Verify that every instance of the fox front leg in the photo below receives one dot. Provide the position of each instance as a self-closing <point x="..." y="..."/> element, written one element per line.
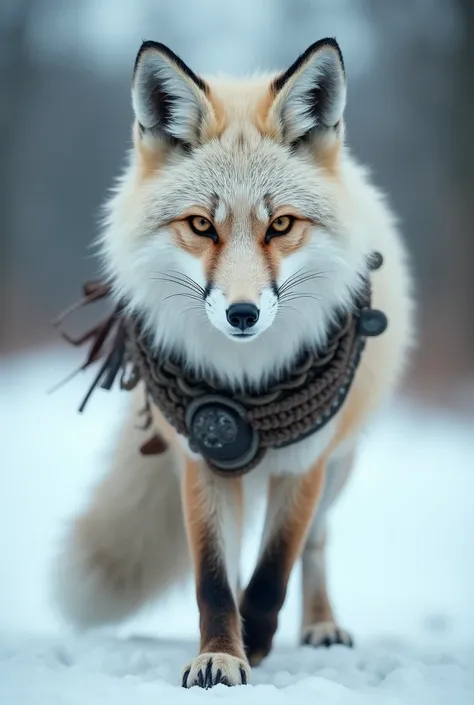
<point x="213" y="514"/>
<point x="291" y="506"/>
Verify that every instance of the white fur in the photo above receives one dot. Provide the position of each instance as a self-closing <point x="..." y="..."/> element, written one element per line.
<point x="138" y="250"/>
<point x="110" y="562"/>
<point x="217" y="304"/>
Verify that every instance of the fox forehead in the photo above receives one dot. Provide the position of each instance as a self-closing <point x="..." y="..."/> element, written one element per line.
<point x="238" y="173"/>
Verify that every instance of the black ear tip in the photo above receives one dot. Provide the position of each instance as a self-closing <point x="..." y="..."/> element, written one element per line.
<point x="148" y="44"/>
<point x="171" y="57"/>
<point x="332" y="42"/>
<point x="303" y="58"/>
<point x="324" y="43"/>
<point x="145" y="45"/>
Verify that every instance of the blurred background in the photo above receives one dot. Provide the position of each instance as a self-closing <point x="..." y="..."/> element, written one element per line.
<point x="65" y="69"/>
<point x="65" y="116"/>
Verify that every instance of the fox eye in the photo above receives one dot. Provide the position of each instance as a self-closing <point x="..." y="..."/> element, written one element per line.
<point x="202" y="226"/>
<point x="280" y="226"/>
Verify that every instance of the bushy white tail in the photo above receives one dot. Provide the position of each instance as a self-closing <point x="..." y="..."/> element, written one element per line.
<point x="129" y="544"/>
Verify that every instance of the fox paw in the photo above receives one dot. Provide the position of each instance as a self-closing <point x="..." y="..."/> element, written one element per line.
<point x="210" y="669"/>
<point x="326" y="634"/>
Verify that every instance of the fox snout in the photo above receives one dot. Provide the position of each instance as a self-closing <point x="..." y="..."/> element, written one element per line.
<point x="242" y="318"/>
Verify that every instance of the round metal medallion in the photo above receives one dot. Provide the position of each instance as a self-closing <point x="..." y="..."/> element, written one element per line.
<point x="219" y="431"/>
<point x="214" y="427"/>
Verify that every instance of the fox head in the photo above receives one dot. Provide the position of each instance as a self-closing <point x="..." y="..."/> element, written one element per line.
<point x="234" y="231"/>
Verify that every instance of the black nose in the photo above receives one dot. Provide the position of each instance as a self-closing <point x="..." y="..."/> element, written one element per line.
<point x="242" y="315"/>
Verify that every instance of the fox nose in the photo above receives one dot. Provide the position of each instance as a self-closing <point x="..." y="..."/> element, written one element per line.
<point x="242" y="315"/>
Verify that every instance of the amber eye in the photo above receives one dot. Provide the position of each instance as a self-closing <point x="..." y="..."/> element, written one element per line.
<point x="202" y="226"/>
<point x="280" y="226"/>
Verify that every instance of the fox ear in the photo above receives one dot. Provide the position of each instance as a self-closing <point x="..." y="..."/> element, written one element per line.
<point x="311" y="94"/>
<point x="169" y="100"/>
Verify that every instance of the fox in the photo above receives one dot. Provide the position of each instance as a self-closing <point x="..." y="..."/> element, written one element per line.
<point x="239" y="226"/>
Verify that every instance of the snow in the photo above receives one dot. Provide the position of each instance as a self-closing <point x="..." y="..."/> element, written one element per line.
<point x="400" y="562"/>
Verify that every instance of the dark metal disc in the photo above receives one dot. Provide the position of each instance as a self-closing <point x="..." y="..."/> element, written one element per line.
<point x="219" y="431"/>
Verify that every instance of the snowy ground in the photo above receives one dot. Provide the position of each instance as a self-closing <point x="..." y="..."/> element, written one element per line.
<point x="401" y="568"/>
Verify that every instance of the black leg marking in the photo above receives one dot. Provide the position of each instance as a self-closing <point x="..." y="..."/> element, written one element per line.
<point x="262" y="601"/>
<point x="218" y="611"/>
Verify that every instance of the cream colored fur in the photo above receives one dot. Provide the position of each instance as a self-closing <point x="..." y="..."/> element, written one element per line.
<point x="129" y="544"/>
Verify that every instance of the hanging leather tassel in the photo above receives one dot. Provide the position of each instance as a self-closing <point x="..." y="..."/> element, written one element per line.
<point x="107" y="339"/>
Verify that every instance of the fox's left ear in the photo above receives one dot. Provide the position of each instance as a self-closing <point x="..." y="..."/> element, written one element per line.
<point x="311" y="95"/>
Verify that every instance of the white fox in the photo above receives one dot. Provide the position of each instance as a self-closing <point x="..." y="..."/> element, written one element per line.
<point x="239" y="230"/>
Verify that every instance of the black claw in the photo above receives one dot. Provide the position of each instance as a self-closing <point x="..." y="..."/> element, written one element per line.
<point x="307" y="639"/>
<point x="348" y="641"/>
<point x="224" y="681"/>
<point x="327" y="641"/>
<point x="184" y="682"/>
<point x="218" y="677"/>
<point x="243" y="676"/>
<point x="200" y="679"/>
<point x="339" y="637"/>
<point x="208" y="675"/>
